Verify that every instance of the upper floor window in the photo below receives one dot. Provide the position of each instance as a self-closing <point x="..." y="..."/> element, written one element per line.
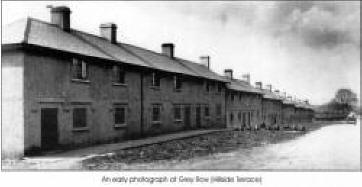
<point x="232" y="96"/>
<point x="207" y="86"/>
<point x="118" y="74"/>
<point x="219" y="87"/>
<point x="177" y="82"/>
<point x="156" y="80"/>
<point x="79" y="69"/>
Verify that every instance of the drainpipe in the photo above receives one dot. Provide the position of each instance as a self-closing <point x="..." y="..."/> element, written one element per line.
<point x="225" y="107"/>
<point x="142" y="107"/>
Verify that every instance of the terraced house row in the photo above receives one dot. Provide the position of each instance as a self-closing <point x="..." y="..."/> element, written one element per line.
<point x="64" y="87"/>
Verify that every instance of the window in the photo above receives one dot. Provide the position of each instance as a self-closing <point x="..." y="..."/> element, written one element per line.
<point x="232" y="96"/>
<point x="156" y="113"/>
<point x="79" y="117"/>
<point x="207" y="86"/>
<point x="118" y="75"/>
<point x="218" y="110"/>
<point x="219" y="87"/>
<point x="80" y="70"/>
<point x="207" y="111"/>
<point x="240" y="95"/>
<point x="120" y="115"/>
<point x="156" y="80"/>
<point x="177" y="82"/>
<point x="231" y="117"/>
<point x="177" y="113"/>
<point x="239" y="116"/>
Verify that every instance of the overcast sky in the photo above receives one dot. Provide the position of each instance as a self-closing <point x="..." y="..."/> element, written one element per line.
<point x="309" y="49"/>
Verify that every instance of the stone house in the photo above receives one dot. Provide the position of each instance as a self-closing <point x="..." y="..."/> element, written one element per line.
<point x="288" y="111"/>
<point x="243" y="103"/>
<point x="64" y="87"/>
<point x="271" y="106"/>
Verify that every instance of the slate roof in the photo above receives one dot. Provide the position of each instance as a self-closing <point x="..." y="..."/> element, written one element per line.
<point x="202" y="70"/>
<point x="159" y="61"/>
<point x="288" y="102"/>
<point x="270" y="95"/>
<point x="43" y="34"/>
<point x="242" y="86"/>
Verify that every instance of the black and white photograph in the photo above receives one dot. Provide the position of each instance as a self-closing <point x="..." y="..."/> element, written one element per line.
<point x="180" y="86"/>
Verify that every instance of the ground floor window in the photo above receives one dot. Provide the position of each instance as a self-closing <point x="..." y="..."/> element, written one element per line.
<point x="207" y="111"/>
<point x="231" y="117"/>
<point x="177" y="113"/>
<point x="120" y="115"/>
<point x="156" y="113"/>
<point x="79" y="117"/>
<point x="218" y="110"/>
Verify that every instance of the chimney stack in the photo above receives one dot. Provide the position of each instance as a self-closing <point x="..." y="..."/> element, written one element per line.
<point x="246" y="77"/>
<point x="306" y="101"/>
<point x="205" y="60"/>
<point x="228" y="73"/>
<point x="109" y="32"/>
<point x="259" y="85"/>
<point x="277" y="92"/>
<point x="285" y="94"/>
<point x="269" y="87"/>
<point x="60" y="16"/>
<point x="168" y="49"/>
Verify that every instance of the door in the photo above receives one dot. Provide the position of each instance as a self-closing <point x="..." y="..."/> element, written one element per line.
<point x="49" y="128"/>
<point x="249" y="119"/>
<point x="187" y="117"/>
<point x="244" y="119"/>
<point x="198" y="116"/>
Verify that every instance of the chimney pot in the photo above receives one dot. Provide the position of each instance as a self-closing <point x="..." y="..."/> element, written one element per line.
<point x="246" y="77"/>
<point x="228" y="73"/>
<point x="269" y="87"/>
<point x="109" y="32"/>
<point x="60" y="16"/>
<point x="205" y="60"/>
<point x="168" y="49"/>
<point x="259" y="85"/>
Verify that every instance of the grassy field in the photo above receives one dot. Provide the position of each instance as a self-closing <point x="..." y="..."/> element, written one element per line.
<point x="176" y="151"/>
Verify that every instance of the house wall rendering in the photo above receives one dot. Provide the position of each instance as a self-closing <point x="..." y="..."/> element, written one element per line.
<point x="67" y="88"/>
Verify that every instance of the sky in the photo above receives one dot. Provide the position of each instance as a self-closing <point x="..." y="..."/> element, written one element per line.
<point x="308" y="49"/>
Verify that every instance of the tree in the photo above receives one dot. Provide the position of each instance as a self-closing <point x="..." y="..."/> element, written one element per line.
<point x="346" y="96"/>
<point x="344" y="102"/>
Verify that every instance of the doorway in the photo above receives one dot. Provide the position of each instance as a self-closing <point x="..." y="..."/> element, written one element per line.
<point x="187" y="117"/>
<point x="49" y="128"/>
<point x="198" y="116"/>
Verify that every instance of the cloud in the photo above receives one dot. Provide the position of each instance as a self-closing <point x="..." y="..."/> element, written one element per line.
<point x="320" y="25"/>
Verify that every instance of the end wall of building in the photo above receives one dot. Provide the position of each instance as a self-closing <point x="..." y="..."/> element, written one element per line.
<point x="12" y="123"/>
